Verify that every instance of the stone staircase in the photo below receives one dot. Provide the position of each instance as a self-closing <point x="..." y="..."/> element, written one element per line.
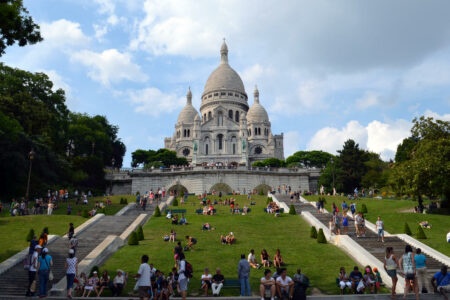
<point x="15" y="281"/>
<point x="369" y="242"/>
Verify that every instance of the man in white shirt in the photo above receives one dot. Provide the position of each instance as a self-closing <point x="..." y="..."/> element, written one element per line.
<point x="182" y="279"/>
<point x="285" y="285"/>
<point x="143" y="276"/>
<point x="32" y="270"/>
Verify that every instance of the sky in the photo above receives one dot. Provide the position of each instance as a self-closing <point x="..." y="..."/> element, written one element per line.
<point x="327" y="71"/>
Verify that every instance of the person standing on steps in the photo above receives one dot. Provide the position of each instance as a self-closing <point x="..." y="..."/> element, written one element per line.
<point x="391" y="265"/>
<point x="244" y="276"/>
<point x="71" y="267"/>
<point x="421" y="269"/>
<point x="408" y="266"/>
<point x="33" y="269"/>
<point x="380" y="229"/>
<point x="45" y="262"/>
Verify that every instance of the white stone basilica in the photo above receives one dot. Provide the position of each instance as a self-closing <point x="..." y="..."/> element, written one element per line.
<point x="227" y="131"/>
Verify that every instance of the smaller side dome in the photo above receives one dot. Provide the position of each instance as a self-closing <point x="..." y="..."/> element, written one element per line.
<point x="257" y="113"/>
<point x="188" y="114"/>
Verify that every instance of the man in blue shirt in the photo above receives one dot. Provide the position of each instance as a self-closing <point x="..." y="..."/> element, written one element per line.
<point x="441" y="282"/>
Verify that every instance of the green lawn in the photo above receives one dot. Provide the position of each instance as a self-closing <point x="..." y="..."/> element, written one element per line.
<point x="15" y="229"/>
<point x="395" y="213"/>
<point x="256" y="230"/>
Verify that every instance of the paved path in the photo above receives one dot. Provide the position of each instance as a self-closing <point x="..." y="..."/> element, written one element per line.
<point x="15" y="280"/>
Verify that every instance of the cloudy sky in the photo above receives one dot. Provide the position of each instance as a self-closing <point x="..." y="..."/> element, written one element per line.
<point x="327" y="71"/>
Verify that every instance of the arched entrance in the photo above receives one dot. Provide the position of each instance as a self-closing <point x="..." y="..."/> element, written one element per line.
<point x="221" y="187"/>
<point x="177" y="190"/>
<point x="262" y="189"/>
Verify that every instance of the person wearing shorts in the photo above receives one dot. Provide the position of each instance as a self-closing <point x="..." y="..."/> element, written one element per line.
<point x="380" y="229"/>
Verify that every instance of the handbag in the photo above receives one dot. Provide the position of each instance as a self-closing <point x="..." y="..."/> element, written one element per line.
<point x="50" y="275"/>
<point x="33" y="286"/>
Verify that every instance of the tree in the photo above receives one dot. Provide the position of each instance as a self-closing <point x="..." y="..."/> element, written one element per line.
<point x="426" y="171"/>
<point x="160" y="158"/>
<point x="314" y="158"/>
<point x="269" y="162"/>
<point x="16" y="25"/>
<point x="351" y="160"/>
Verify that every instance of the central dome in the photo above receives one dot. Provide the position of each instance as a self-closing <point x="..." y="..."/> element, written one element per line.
<point x="224" y="77"/>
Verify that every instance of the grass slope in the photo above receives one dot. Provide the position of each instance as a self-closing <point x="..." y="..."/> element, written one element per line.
<point x="257" y="230"/>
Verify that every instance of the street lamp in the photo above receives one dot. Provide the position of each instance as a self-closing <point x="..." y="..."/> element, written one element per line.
<point x="332" y="163"/>
<point x="113" y="162"/>
<point x="31" y="155"/>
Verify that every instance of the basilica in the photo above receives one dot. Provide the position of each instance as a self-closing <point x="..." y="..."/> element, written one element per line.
<point x="227" y="132"/>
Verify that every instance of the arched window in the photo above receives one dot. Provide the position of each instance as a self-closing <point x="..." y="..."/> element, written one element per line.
<point x="184" y="133"/>
<point x="237" y="116"/>
<point x="206" y="145"/>
<point x="220" y="141"/>
<point x="230" y="114"/>
<point x="219" y="118"/>
<point x="256" y="131"/>
<point x="188" y="133"/>
<point x="233" y="142"/>
<point x="209" y="116"/>
<point x="204" y="118"/>
<point x="259" y="130"/>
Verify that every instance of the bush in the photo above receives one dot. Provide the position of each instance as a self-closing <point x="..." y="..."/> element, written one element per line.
<point x="268" y="200"/>
<point x="123" y="201"/>
<point x="140" y="233"/>
<point x="261" y="192"/>
<point x="45" y="230"/>
<point x="157" y="212"/>
<point x="175" y="201"/>
<point x="96" y="269"/>
<point x="321" y="237"/>
<point x="133" y="239"/>
<point x="313" y="233"/>
<point x="406" y="229"/>
<point x="30" y="235"/>
<point x="292" y="210"/>
<point x="364" y="209"/>
<point x="85" y="214"/>
<point x="420" y="234"/>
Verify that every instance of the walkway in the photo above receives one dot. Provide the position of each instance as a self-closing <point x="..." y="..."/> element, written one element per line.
<point x="15" y="280"/>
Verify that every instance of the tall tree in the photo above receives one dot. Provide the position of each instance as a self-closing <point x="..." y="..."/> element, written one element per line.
<point x="16" y="25"/>
<point x="351" y="160"/>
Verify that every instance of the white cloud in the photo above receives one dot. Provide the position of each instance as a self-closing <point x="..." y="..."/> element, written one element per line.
<point x="368" y="100"/>
<point x="153" y="102"/>
<point x="331" y="139"/>
<point x="63" y="33"/>
<point x="378" y="137"/>
<point x="110" y="66"/>
<point x="436" y="116"/>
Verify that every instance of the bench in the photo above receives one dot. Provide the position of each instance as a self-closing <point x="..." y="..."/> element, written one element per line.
<point x="241" y="210"/>
<point x="176" y="211"/>
<point x="232" y="283"/>
<point x="280" y="210"/>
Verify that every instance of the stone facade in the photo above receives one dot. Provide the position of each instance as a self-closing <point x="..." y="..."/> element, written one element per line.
<point x="227" y="131"/>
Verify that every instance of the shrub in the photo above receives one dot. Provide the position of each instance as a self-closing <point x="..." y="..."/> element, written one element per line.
<point x="30" y="235"/>
<point x="292" y="210"/>
<point x="321" y="237"/>
<point x="175" y="202"/>
<point x="133" y="239"/>
<point x="96" y="269"/>
<point x="45" y="230"/>
<point x="85" y="214"/>
<point x="406" y="229"/>
<point x="157" y="212"/>
<point x="313" y="233"/>
<point x="261" y="192"/>
<point x="123" y="201"/>
<point x="140" y="233"/>
<point x="420" y="234"/>
<point x="364" y="209"/>
<point x="268" y="200"/>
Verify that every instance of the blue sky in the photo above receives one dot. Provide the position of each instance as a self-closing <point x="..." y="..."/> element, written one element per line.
<point x="326" y="71"/>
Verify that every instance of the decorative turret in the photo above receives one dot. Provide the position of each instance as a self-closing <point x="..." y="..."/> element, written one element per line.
<point x="224" y="53"/>
<point x="188" y="114"/>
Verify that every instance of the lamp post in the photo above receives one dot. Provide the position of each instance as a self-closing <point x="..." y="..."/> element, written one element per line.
<point x="31" y="155"/>
<point x="113" y="162"/>
<point x="332" y="163"/>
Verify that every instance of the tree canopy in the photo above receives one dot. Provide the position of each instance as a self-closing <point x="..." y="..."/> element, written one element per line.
<point x="159" y="158"/>
<point x="16" y="25"/>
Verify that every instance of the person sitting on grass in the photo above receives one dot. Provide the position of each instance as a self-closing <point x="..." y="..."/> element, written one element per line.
<point x="278" y="259"/>
<point x="285" y="285"/>
<point x="265" y="258"/>
<point x="206" y="226"/>
<point x="267" y="285"/>
<point x="175" y="220"/>
<point x="183" y="220"/>
<point x="191" y="241"/>
<point x="252" y="260"/>
<point x="118" y="283"/>
<point x="103" y="283"/>
<point x="91" y="284"/>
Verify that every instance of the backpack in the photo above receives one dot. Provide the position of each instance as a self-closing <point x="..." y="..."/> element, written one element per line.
<point x="188" y="270"/>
